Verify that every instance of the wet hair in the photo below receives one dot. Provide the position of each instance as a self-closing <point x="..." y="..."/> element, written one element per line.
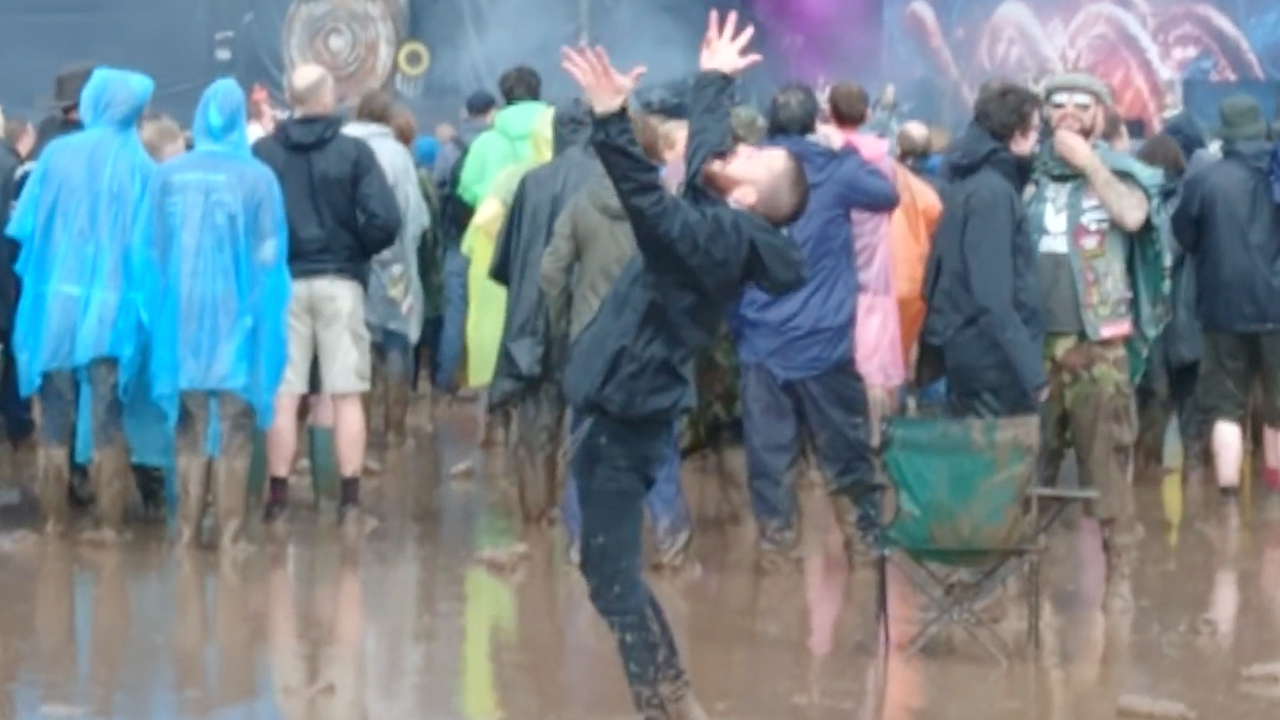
<point x="993" y="83"/>
<point x="1163" y="151"/>
<point x="377" y="106"/>
<point x="913" y="140"/>
<point x="648" y="130"/>
<point x="160" y="134"/>
<point x="747" y="125"/>
<point x="1112" y="126"/>
<point x="14" y="128"/>
<point x="404" y="125"/>
<point x="1006" y="110"/>
<point x="783" y="199"/>
<point x="519" y="84"/>
<point x="793" y="110"/>
<point x="850" y="104"/>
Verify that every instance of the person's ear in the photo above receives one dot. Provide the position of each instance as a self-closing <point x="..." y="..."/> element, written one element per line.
<point x="743" y="196"/>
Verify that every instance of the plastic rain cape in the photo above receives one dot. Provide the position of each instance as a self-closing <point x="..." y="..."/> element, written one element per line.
<point x="216" y="310"/>
<point x="486" y="299"/>
<point x="81" y="224"/>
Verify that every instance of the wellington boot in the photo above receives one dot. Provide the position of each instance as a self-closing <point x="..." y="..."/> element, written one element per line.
<point x="53" y="477"/>
<point x="193" y="490"/>
<point x="324" y="463"/>
<point x="230" y="488"/>
<point x="112" y="478"/>
<point x="397" y="418"/>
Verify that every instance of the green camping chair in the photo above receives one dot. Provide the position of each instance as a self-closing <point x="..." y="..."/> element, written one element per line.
<point x="969" y="515"/>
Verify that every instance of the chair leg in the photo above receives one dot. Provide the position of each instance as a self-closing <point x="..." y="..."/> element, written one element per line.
<point x="1033" y="603"/>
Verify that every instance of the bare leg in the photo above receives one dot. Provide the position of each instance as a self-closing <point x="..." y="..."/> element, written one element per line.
<point x="231" y="468"/>
<point x="350" y="433"/>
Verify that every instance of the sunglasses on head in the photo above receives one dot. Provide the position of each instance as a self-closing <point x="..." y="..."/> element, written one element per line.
<point x="1079" y="100"/>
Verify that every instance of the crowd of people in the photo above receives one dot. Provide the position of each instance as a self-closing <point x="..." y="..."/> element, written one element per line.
<point x="577" y="267"/>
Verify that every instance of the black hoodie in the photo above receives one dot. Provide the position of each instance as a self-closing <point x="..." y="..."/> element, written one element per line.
<point x="1229" y="224"/>
<point x="981" y="289"/>
<point x="340" y="209"/>
<point x="528" y="354"/>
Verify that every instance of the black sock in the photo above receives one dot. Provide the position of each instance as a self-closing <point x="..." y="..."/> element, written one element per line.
<point x="1229" y="493"/>
<point x="278" y="492"/>
<point x="350" y="491"/>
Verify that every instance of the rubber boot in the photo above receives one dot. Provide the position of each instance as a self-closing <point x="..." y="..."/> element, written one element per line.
<point x="53" y="478"/>
<point x="397" y="417"/>
<point x="257" y="479"/>
<point x="324" y="463"/>
<point x="112" y="478"/>
<point x="193" y="490"/>
<point x="231" y="494"/>
<point x="1118" y="549"/>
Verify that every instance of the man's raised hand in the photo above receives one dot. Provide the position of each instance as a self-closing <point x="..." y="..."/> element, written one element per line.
<point x="724" y="48"/>
<point x="605" y="88"/>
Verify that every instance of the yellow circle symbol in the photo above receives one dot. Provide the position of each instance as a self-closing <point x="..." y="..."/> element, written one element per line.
<point x="413" y="59"/>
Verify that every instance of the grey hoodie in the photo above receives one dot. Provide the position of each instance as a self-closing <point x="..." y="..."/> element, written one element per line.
<point x="395" y="299"/>
<point x="591" y="244"/>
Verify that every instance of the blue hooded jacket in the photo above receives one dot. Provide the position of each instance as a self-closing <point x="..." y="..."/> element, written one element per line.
<point x="810" y="331"/>
<point x="217" y="307"/>
<point x="80" y="223"/>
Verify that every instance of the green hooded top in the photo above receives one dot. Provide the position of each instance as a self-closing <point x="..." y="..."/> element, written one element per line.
<point x="509" y="141"/>
<point x="1142" y="254"/>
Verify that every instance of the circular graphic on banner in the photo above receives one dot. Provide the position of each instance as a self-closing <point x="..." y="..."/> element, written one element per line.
<point x="413" y="59"/>
<point x="355" y="39"/>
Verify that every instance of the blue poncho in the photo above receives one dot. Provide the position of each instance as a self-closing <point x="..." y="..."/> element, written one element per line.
<point x="217" y="309"/>
<point x="80" y="226"/>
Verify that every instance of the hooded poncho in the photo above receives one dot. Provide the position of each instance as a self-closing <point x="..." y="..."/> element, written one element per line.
<point x="218" y="303"/>
<point x="81" y="223"/>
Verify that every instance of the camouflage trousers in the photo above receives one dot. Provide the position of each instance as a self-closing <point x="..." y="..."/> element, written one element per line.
<point x="1091" y="410"/>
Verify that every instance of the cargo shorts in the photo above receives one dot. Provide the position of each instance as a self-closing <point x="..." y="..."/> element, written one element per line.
<point x="327" y="324"/>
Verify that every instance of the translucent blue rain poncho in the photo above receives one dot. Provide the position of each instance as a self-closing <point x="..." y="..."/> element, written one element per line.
<point x="219" y="251"/>
<point x="80" y="223"/>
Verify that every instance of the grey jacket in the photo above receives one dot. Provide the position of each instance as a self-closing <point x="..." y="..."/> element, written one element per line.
<point x="395" y="299"/>
<point x="591" y="243"/>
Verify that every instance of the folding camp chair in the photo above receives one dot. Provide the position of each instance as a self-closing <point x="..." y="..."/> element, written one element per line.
<point x="969" y="515"/>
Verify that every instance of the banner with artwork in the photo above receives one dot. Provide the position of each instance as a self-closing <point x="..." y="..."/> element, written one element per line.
<point x="940" y="51"/>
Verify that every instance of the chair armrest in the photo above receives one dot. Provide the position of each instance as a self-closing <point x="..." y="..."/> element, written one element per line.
<point x="1046" y="493"/>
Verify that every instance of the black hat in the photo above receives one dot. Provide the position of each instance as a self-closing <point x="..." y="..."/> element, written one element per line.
<point x="68" y="86"/>
<point x="480" y="102"/>
<point x="1242" y="119"/>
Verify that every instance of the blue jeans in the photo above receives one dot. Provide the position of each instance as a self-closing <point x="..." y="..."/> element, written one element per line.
<point x="617" y="464"/>
<point x="665" y="501"/>
<point x="830" y="411"/>
<point x="454" y="323"/>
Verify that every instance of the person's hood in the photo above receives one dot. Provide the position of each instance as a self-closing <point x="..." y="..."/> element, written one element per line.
<point x="819" y="161"/>
<point x="571" y="126"/>
<point x="369" y="132"/>
<point x="221" y="119"/>
<point x="1185" y="131"/>
<point x="1255" y="153"/>
<point x="603" y="198"/>
<point x="976" y="149"/>
<point x="872" y="148"/>
<point x="518" y="122"/>
<point x="425" y="151"/>
<point x="308" y="133"/>
<point x="115" y="98"/>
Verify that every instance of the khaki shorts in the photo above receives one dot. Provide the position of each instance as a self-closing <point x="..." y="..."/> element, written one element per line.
<point x="327" y="323"/>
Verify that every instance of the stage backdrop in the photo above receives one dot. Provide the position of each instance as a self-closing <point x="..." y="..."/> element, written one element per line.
<point x="941" y="50"/>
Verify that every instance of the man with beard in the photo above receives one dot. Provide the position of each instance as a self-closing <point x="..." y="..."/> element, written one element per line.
<point x="78" y="320"/>
<point x="532" y="353"/>
<point x="984" y="303"/>
<point x="217" y="313"/>
<point x="1230" y="225"/>
<point x="1100" y="266"/>
<point x="629" y="369"/>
